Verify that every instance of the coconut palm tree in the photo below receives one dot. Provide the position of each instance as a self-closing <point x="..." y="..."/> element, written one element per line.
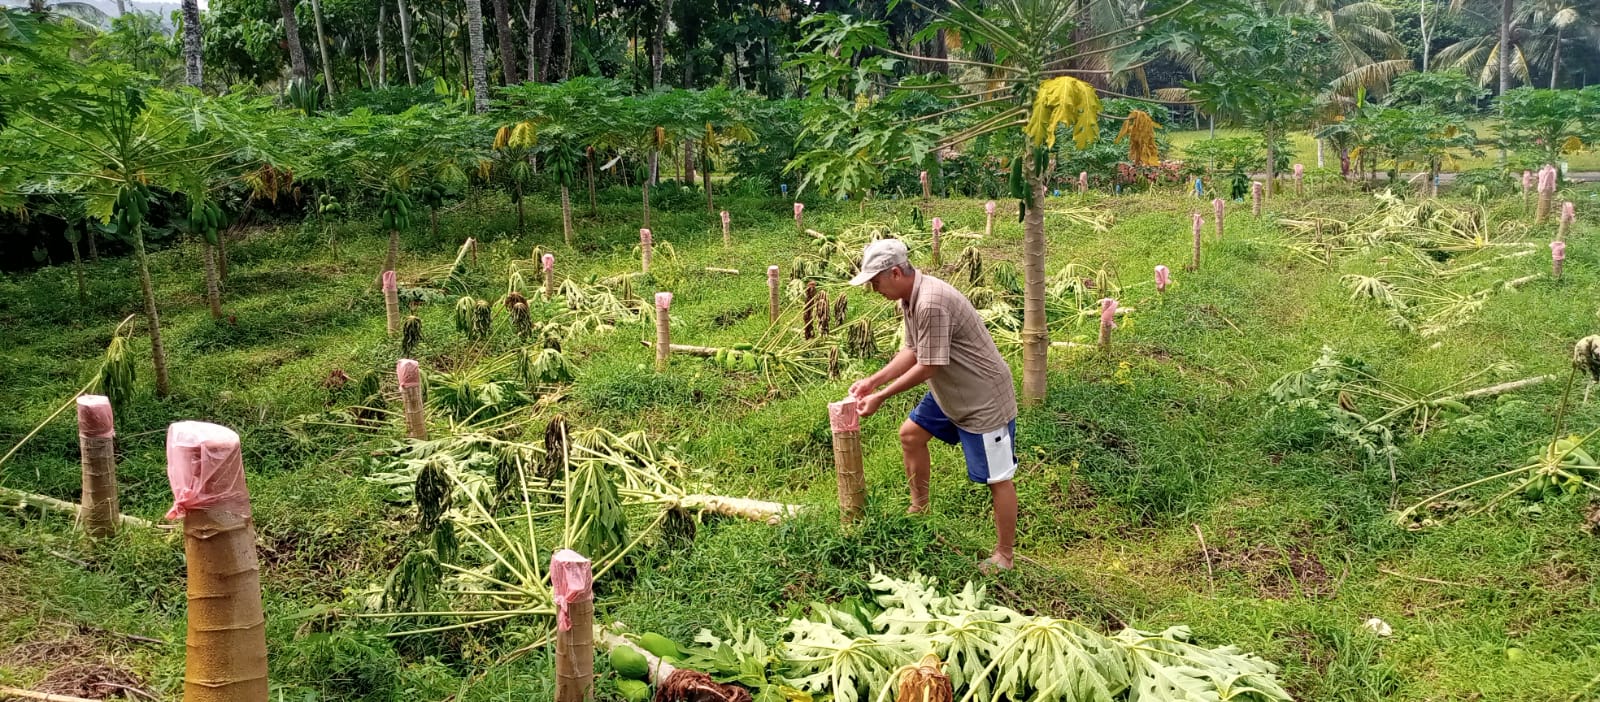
<point x="1367" y="51"/>
<point x="480" y="73"/>
<point x="1529" y="38"/>
<point x="193" y="62"/>
<point x="405" y="43"/>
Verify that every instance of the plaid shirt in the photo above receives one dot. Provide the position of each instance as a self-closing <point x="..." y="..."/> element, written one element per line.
<point x="973" y="384"/>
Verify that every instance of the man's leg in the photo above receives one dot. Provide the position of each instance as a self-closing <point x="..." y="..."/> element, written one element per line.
<point x="914" y="448"/>
<point x="1005" y="521"/>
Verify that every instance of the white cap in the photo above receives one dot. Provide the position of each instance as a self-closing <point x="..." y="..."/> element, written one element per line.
<point x="879" y="256"/>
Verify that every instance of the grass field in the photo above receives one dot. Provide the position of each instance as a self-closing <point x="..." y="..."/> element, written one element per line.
<point x="1305" y="149"/>
<point x="1135" y="457"/>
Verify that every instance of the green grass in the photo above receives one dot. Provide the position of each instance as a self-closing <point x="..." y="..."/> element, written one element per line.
<point x="1305" y="149"/>
<point x="1130" y="456"/>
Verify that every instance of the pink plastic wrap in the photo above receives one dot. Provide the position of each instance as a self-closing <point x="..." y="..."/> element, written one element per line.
<point x="1299" y="171"/>
<point x="1527" y="181"/>
<point x="548" y="261"/>
<point x="205" y="469"/>
<point x="1558" y="250"/>
<point x="1163" y="276"/>
<point x="988" y="207"/>
<point x="663" y="300"/>
<point x="799" y="207"/>
<point x="842" y="415"/>
<point x="923" y="176"/>
<point x="389" y="284"/>
<point x="1255" y="188"/>
<point x="938" y="224"/>
<point x="772" y="274"/>
<point x="94" y="417"/>
<point x="1568" y="212"/>
<point x="571" y="580"/>
<point x="406" y="370"/>
<point x="725" y="219"/>
<point x="644" y="236"/>
<point x="1108" y="312"/>
<point x="1083" y="181"/>
<point x="1198" y="221"/>
<point x="1547" y="179"/>
<point x="1217" y="206"/>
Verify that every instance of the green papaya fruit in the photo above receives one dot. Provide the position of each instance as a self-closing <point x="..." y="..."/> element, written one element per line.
<point x="630" y="663"/>
<point x="634" y="690"/>
<point x="659" y="645"/>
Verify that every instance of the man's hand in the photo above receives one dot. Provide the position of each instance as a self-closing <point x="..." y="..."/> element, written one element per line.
<point x="869" y="405"/>
<point x="862" y="388"/>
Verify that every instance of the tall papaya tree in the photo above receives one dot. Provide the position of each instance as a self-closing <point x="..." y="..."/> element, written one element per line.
<point x="103" y="133"/>
<point x="565" y="120"/>
<point x="1024" y="83"/>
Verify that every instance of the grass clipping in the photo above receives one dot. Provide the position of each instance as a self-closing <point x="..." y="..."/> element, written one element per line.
<point x="1064" y="100"/>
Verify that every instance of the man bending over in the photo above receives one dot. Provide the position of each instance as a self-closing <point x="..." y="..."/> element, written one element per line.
<point x="972" y="401"/>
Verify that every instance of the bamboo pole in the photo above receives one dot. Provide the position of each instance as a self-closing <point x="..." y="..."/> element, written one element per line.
<point x="548" y="263"/>
<point x="646" y="249"/>
<point x="799" y="212"/>
<point x="1527" y="187"/>
<point x="572" y="588"/>
<point x="1083" y="182"/>
<point x="988" y="219"/>
<point x="1194" y="261"/>
<point x="1108" y="321"/>
<point x="1299" y="179"/>
<point x="226" y="642"/>
<point x="663" y="330"/>
<point x="938" y="233"/>
<point x="927" y="187"/>
<point x="1255" y="198"/>
<point x="846" y="426"/>
<point x="1218" y="209"/>
<point x="727" y="271"/>
<point x="1558" y="257"/>
<point x="6" y="691"/>
<point x="1568" y="215"/>
<point x="727" y="229"/>
<point x="772" y="295"/>
<point x="97" y="450"/>
<point x="410" y="380"/>
<point x="391" y="302"/>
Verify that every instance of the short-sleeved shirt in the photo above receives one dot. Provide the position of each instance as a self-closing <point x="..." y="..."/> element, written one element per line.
<point x="973" y="384"/>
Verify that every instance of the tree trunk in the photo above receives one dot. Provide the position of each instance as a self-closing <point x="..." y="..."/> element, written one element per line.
<point x="1555" y="60"/>
<point x="383" y="70"/>
<point x="322" y="47"/>
<point x="158" y="352"/>
<point x="1422" y="23"/>
<point x="508" y="49"/>
<point x="566" y="214"/>
<point x="405" y="42"/>
<point x="564" y="25"/>
<point x="646" y="189"/>
<point x="1272" y="167"/>
<point x="1504" y="56"/>
<point x="658" y="43"/>
<point x="394" y="250"/>
<point x="546" y="36"/>
<point x="520" y="216"/>
<point x="213" y="293"/>
<point x="77" y="269"/>
<point x="480" y="72"/>
<point x="94" y="251"/>
<point x="705" y="177"/>
<point x="688" y="163"/>
<point x="193" y="60"/>
<point x="533" y="39"/>
<point x="99" y="512"/>
<point x="1035" y="333"/>
<point x="291" y="33"/>
<point x="594" y="209"/>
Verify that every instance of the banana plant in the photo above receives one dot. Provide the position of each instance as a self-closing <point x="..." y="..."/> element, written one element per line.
<point x="1023" y="86"/>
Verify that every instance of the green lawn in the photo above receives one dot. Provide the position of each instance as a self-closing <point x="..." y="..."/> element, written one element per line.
<point x="1305" y="149"/>
<point x="1134" y="456"/>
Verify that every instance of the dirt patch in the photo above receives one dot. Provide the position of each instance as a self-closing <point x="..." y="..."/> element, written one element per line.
<point x="1100" y="436"/>
<point x="96" y="681"/>
<point x="1591" y="519"/>
<point x="728" y="318"/>
<point x="1277" y="572"/>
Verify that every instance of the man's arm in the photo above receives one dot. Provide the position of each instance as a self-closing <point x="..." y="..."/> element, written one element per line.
<point x="897" y="366"/>
<point x="910" y="379"/>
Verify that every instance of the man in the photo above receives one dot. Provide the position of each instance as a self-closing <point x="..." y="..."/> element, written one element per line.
<point x="972" y="400"/>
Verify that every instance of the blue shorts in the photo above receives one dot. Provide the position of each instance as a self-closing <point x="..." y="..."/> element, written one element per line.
<point x="991" y="457"/>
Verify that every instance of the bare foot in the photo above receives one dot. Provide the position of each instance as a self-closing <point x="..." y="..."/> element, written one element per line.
<point x="995" y="564"/>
